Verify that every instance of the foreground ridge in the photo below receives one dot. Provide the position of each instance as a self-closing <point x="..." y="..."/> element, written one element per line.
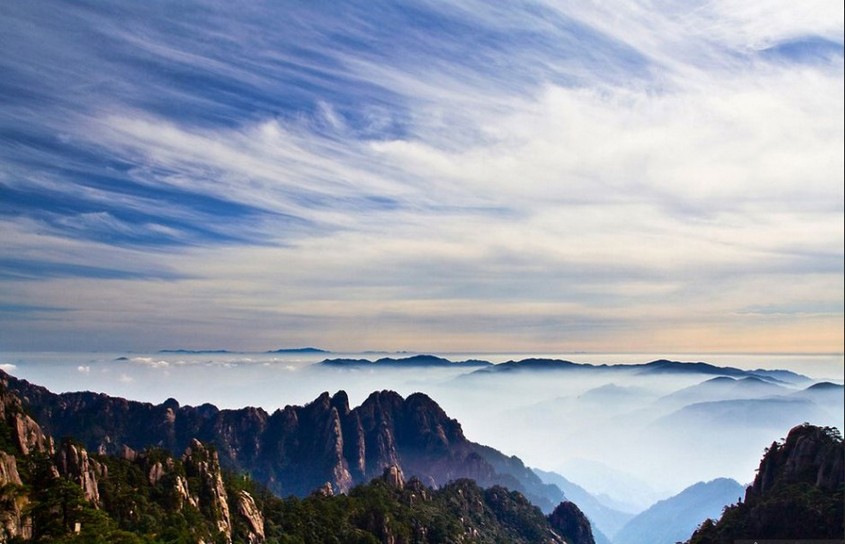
<point x="64" y="494"/>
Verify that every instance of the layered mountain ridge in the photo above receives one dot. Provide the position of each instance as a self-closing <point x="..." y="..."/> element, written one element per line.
<point x="51" y="493"/>
<point x="295" y="450"/>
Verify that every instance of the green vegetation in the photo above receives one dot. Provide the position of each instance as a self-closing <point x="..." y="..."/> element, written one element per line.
<point x="135" y="508"/>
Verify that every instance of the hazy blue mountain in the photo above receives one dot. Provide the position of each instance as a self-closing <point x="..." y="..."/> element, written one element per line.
<point x="614" y="393"/>
<point x="674" y="519"/>
<point x="725" y="388"/>
<point x="758" y="413"/>
<point x="299" y="350"/>
<point x="614" y="488"/>
<point x="606" y="521"/>
<point x="535" y="365"/>
<point x="782" y="376"/>
<point x="194" y="351"/>
<point x="405" y="362"/>
<point x="823" y="392"/>
<point x="658" y="367"/>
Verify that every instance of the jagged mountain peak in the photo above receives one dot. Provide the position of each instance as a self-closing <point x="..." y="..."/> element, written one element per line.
<point x="297" y="449"/>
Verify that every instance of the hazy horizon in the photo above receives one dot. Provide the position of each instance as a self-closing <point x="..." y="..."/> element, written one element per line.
<point x="571" y="423"/>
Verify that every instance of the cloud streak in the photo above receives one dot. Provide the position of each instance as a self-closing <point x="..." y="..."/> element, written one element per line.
<point x="458" y="175"/>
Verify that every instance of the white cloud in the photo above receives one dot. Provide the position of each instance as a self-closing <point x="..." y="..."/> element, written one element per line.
<point x="150" y="362"/>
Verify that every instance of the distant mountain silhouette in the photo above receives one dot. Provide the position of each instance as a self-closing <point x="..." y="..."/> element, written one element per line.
<point x="535" y="365"/>
<point x="759" y="413"/>
<point x="658" y="367"/>
<point x="405" y="362"/>
<point x="725" y="388"/>
<point x="674" y="519"/>
<point x="193" y="351"/>
<point x="826" y="386"/>
<point x="299" y="350"/>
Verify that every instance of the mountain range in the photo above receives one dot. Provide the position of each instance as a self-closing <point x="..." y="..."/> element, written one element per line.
<point x="393" y="469"/>
<point x="60" y="493"/>
<point x="296" y="449"/>
<point x="657" y="367"/>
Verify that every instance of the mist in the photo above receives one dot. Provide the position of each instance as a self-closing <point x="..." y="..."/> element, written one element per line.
<point x="628" y="436"/>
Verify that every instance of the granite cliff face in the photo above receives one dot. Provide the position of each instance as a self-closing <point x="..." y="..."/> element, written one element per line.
<point x="297" y="449"/>
<point x="797" y="493"/>
<point x="810" y="454"/>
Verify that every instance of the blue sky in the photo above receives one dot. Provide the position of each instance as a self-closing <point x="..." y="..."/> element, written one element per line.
<point x="425" y="175"/>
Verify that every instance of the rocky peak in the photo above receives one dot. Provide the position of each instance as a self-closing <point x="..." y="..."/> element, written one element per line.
<point x="340" y="401"/>
<point x="809" y="453"/>
<point x="253" y="518"/>
<point x="294" y="450"/>
<point x="571" y="523"/>
<point x="203" y="463"/>
<point x="73" y="463"/>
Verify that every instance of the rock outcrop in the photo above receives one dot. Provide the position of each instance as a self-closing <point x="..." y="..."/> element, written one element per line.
<point x="27" y="435"/>
<point x="808" y="455"/>
<point x="13" y="521"/>
<point x="73" y="462"/>
<point x="253" y="517"/>
<point x="203" y="464"/>
<point x="797" y="493"/>
<point x="393" y="476"/>
<point x="571" y="523"/>
<point x="9" y="470"/>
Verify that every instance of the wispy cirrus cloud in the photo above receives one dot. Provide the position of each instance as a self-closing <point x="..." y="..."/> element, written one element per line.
<point x="462" y="174"/>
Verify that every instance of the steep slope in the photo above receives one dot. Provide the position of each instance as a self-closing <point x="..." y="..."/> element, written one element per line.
<point x="675" y="518"/>
<point x="797" y="493"/>
<point x="299" y="448"/>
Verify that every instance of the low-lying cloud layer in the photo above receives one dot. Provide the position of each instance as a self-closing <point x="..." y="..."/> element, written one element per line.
<point x="637" y="434"/>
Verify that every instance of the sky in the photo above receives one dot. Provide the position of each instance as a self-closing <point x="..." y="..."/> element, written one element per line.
<point x="431" y="176"/>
